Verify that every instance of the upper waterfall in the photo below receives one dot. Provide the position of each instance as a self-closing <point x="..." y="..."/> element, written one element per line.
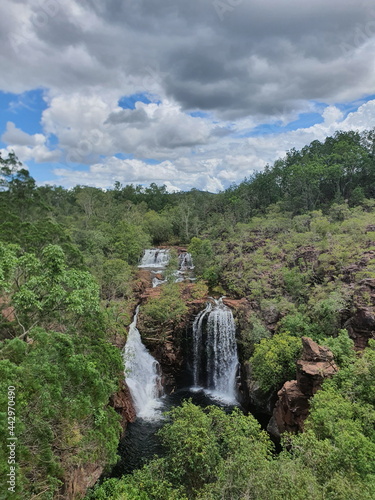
<point x="142" y="373"/>
<point x="155" y="257"/>
<point x="215" y="359"/>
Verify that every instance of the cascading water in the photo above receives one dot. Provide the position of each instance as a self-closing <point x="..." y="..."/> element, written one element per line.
<point x="185" y="261"/>
<point x="155" y="257"/>
<point x="215" y="359"/>
<point x="142" y="373"/>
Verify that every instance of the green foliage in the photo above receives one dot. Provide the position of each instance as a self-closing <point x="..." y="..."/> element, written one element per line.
<point x="326" y="312"/>
<point x="342" y="348"/>
<point x="159" y="226"/>
<point x="129" y="241"/>
<point x="192" y="450"/>
<point x="274" y="360"/>
<point x="212" y="455"/>
<point x="115" y="279"/>
<point x="254" y="332"/>
<point x="296" y="283"/>
<point x="296" y="323"/>
<point x="169" y="307"/>
<point x="149" y="483"/>
<point x="285" y="239"/>
<point x="202" y="253"/>
<point x="62" y="385"/>
<point x="43" y="290"/>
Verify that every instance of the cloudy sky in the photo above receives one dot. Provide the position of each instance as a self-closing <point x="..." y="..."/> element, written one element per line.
<point x="197" y="93"/>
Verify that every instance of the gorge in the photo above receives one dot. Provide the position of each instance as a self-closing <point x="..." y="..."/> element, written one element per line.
<point x="211" y="375"/>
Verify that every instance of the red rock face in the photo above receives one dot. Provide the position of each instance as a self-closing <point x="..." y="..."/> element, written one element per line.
<point x="79" y="480"/>
<point x="122" y="402"/>
<point x="292" y="407"/>
<point x="234" y="303"/>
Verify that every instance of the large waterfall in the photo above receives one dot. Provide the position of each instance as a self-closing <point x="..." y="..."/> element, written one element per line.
<point x="155" y="257"/>
<point x="142" y="373"/>
<point x="215" y="360"/>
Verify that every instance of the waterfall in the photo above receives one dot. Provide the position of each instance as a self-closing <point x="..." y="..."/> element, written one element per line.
<point x="157" y="282"/>
<point x="155" y="257"/>
<point x="185" y="261"/>
<point x="215" y="360"/>
<point x="142" y="373"/>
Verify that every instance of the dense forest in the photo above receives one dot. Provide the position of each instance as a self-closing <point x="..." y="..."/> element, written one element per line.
<point x="297" y="241"/>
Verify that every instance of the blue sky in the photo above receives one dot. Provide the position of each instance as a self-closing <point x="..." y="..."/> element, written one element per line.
<point x="94" y="94"/>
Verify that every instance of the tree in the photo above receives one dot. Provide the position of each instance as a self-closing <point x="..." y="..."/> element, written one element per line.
<point x="274" y="360"/>
<point x="45" y="290"/>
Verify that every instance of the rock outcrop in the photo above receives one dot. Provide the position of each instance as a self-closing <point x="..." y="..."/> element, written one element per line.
<point x="122" y="403"/>
<point x="235" y="303"/>
<point x="292" y="406"/>
<point x="361" y="325"/>
<point x="78" y="480"/>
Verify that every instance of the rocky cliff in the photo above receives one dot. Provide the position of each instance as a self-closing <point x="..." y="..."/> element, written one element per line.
<point x="292" y="406"/>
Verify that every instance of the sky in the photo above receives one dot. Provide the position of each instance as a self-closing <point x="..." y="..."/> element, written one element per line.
<point x="189" y="94"/>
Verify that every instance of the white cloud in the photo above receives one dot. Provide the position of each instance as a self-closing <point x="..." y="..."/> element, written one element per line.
<point x="16" y="136"/>
<point x="93" y="125"/>
<point x="216" y="165"/>
<point x="28" y="147"/>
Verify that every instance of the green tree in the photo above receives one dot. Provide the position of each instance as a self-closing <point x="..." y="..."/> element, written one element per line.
<point x="274" y="360"/>
<point x="46" y="290"/>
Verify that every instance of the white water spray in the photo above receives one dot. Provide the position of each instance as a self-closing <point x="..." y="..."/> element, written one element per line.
<point x="185" y="261"/>
<point x="155" y="257"/>
<point x="215" y="359"/>
<point x="142" y="374"/>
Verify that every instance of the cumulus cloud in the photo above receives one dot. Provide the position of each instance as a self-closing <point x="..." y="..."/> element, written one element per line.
<point x="16" y="136"/>
<point x="104" y="175"/>
<point x="216" y="166"/>
<point x="212" y="72"/>
<point x="28" y="147"/>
